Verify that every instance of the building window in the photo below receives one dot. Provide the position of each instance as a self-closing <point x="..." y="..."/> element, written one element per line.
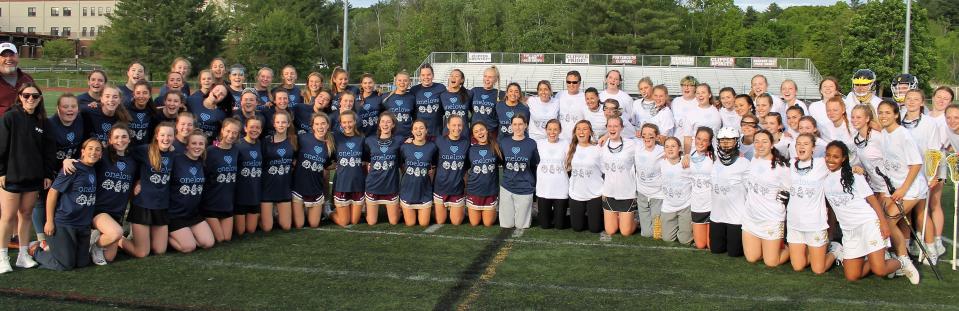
<point x="108" y="10"/>
<point x="67" y="11"/>
<point x="54" y="11"/>
<point x="20" y="29"/>
<point x="31" y="29"/>
<point x="83" y="32"/>
<point x="66" y="31"/>
<point x="100" y="11"/>
<point x="84" y="11"/>
<point x="31" y="11"/>
<point x="93" y="32"/>
<point x="54" y="31"/>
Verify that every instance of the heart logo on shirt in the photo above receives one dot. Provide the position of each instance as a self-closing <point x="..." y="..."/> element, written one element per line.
<point x="454" y="149"/>
<point x="350" y="145"/>
<point x="165" y="161"/>
<point x="71" y="136"/>
<point x="383" y="149"/>
<point x="141" y="116"/>
<point x="228" y="159"/>
<point x="509" y="114"/>
<point x="292" y="98"/>
<point x="454" y="100"/>
<point x="281" y="152"/>
<point x="193" y="171"/>
<point x="483" y="153"/>
<point x="106" y="127"/>
<point x="516" y="150"/>
<point x="366" y="106"/>
<point x="205" y="117"/>
<point x="253" y="154"/>
<point x="317" y="149"/>
<point x="428" y="94"/>
<point x="398" y="103"/>
<point x="418" y="155"/>
<point x="122" y="166"/>
<point x="91" y="179"/>
<point x="484" y="96"/>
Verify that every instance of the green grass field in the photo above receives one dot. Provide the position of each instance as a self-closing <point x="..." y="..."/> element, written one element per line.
<point x="400" y="268"/>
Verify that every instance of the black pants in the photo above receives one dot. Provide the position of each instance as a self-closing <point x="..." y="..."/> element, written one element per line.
<point x="726" y="238"/>
<point x="589" y="212"/>
<point x="552" y="213"/>
<point x="69" y="248"/>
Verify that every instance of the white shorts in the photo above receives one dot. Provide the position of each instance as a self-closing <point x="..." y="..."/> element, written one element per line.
<point x="810" y="238"/>
<point x="766" y="230"/>
<point x="863" y="240"/>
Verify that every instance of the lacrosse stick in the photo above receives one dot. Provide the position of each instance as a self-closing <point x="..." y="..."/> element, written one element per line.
<point x="902" y="213"/>
<point x="931" y="160"/>
<point x="952" y="162"/>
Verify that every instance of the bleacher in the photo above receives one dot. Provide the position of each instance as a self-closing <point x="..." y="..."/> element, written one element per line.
<point x="553" y="67"/>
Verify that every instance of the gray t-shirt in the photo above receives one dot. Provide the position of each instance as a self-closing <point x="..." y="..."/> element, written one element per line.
<point x="11" y="80"/>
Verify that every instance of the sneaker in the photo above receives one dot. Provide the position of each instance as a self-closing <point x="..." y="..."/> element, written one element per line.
<point x="96" y="255"/>
<point x="5" y="264"/>
<point x="836" y="249"/>
<point x="94" y="237"/>
<point x="940" y="248"/>
<point x="933" y="254"/>
<point x="909" y="270"/>
<point x="25" y="261"/>
<point x="913" y="248"/>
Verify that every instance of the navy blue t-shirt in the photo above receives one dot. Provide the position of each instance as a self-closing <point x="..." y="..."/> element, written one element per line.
<point x="185" y="90"/>
<point x="428" y="106"/>
<point x="402" y="106"/>
<point x="68" y="138"/>
<point x="221" y="169"/>
<point x="451" y="164"/>
<point x="520" y="158"/>
<point x="84" y="99"/>
<point x="264" y="97"/>
<point x="178" y="146"/>
<point x="383" y="157"/>
<point x="126" y="94"/>
<point x="483" y="106"/>
<point x="417" y="186"/>
<point x="116" y="184"/>
<point x="96" y="124"/>
<point x="505" y="113"/>
<point x="240" y="116"/>
<point x="295" y="94"/>
<point x="248" y="184"/>
<point x="368" y="114"/>
<point x="207" y="120"/>
<point x="268" y="116"/>
<point x="78" y="194"/>
<point x="455" y="104"/>
<point x="350" y="174"/>
<point x="141" y="127"/>
<point x="335" y="100"/>
<point x="186" y="187"/>
<point x="482" y="176"/>
<point x="278" y="163"/>
<point x="154" y="184"/>
<point x="303" y="118"/>
<point x="312" y="160"/>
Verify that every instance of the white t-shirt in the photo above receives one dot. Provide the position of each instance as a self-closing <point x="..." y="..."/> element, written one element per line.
<point x="570" y="111"/>
<point x="869" y="155"/>
<point x="552" y="181"/>
<point x="641" y="111"/>
<point x="729" y="192"/>
<point x="730" y="118"/>
<point x="746" y="150"/>
<point x="597" y="119"/>
<point x="764" y="184"/>
<point x="586" y="178"/>
<point x="852" y="102"/>
<point x="697" y="117"/>
<point x="680" y="106"/>
<point x="778" y="105"/>
<point x="852" y="209"/>
<point x="806" y="210"/>
<point x="818" y="111"/>
<point x="818" y="151"/>
<point x="925" y="133"/>
<point x="540" y="113"/>
<point x="664" y="120"/>
<point x="648" y="175"/>
<point x="899" y="151"/>
<point x="625" y="102"/>
<point x="700" y="170"/>
<point x="676" y="186"/>
<point x="620" y="173"/>
<point x="783" y="145"/>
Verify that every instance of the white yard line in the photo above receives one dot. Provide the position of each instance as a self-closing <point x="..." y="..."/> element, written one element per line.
<point x="432" y="228"/>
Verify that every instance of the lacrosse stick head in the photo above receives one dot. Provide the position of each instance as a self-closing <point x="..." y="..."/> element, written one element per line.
<point x="952" y="162"/>
<point x="932" y="159"/>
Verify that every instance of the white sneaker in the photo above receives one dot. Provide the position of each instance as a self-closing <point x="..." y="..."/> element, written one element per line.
<point x="96" y="255"/>
<point x="940" y="248"/>
<point x="94" y="237"/>
<point x="25" y="261"/>
<point x="5" y="264"/>
<point x="836" y="249"/>
<point x="933" y="254"/>
<point x="909" y="270"/>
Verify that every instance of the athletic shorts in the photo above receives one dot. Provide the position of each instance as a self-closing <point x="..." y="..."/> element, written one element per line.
<point x="310" y="200"/>
<point x="810" y="238"/>
<point x="246" y="209"/>
<point x="863" y="240"/>
<point x="186" y="222"/>
<point x="481" y="203"/>
<point x="700" y="218"/>
<point x="23" y="187"/>
<point x="415" y="205"/>
<point x="457" y="200"/>
<point x="347" y="198"/>
<point x="216" y="214"/>
<point x="620" y="206"/>
<point x="384" y="199"/>
<point x="766" y="230"/>
<point x="149" y="217"/>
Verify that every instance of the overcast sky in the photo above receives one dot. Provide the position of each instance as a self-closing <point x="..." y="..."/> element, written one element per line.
<point x="756" y="4"/>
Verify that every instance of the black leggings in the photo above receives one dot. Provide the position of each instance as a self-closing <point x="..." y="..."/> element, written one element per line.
<point x="726" y="238"/>
<point x="552" y="213"/>
<point x="583" y="212"/>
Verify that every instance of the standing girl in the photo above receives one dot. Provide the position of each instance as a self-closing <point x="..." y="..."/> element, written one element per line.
<point x="585" y="181"/>
<point x="675" y="188"/>
<point x="400" y="103"/>
<point x="512" y="105"/>
<point x="485" y="99"/>
<point x="279" y="150"/>
<point x="619" y="183"/>
<point x="552" y="182"/>
<point x="428" y="106"/>
<point x="456" y="99"/>
<point x="542" y="108"/>
<point x="701" y="163"/>
<point x="519" y="181"/>
<point x="729" y="196"/>
<point x="649" y="197"/>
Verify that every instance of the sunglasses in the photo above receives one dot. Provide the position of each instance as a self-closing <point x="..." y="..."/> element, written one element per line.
<point x="572" y="82"/>
<point x="31" y="95"/>
<point x="750" y="124"/>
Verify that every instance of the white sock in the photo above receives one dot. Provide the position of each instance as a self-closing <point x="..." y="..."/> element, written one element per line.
<point x="3" y="252"/>
<point x="41" y="236"/>
<point x="24" y="250"/>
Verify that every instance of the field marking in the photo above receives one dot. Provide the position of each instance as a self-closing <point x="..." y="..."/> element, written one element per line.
<point x="432" y="228"/>
<point x="518" y="232"/>
<point x="639" y="291"/>
<point x="526" y="241"/>
<point x="75" y="298"/>
<point x="487" y="277"/>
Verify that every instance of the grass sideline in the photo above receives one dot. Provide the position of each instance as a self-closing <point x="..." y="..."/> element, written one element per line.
<point x="396" y="267"/>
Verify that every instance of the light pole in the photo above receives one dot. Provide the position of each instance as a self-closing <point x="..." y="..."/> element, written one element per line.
<point x="905" y="54"/>
<point x="346" y="39"/>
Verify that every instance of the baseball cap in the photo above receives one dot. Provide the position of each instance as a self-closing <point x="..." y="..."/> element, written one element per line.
<point x="8" y="46"/>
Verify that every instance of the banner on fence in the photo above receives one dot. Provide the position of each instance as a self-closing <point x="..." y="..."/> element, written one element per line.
<point x="623" y="59"/>
<point x="577" y="58"/>
<point x="479" y="57"/>
<point x="722" y="62"/>
<point x="531" y="58"/>
<point x="682" y="61"/>
<point x="765" y="62"/>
